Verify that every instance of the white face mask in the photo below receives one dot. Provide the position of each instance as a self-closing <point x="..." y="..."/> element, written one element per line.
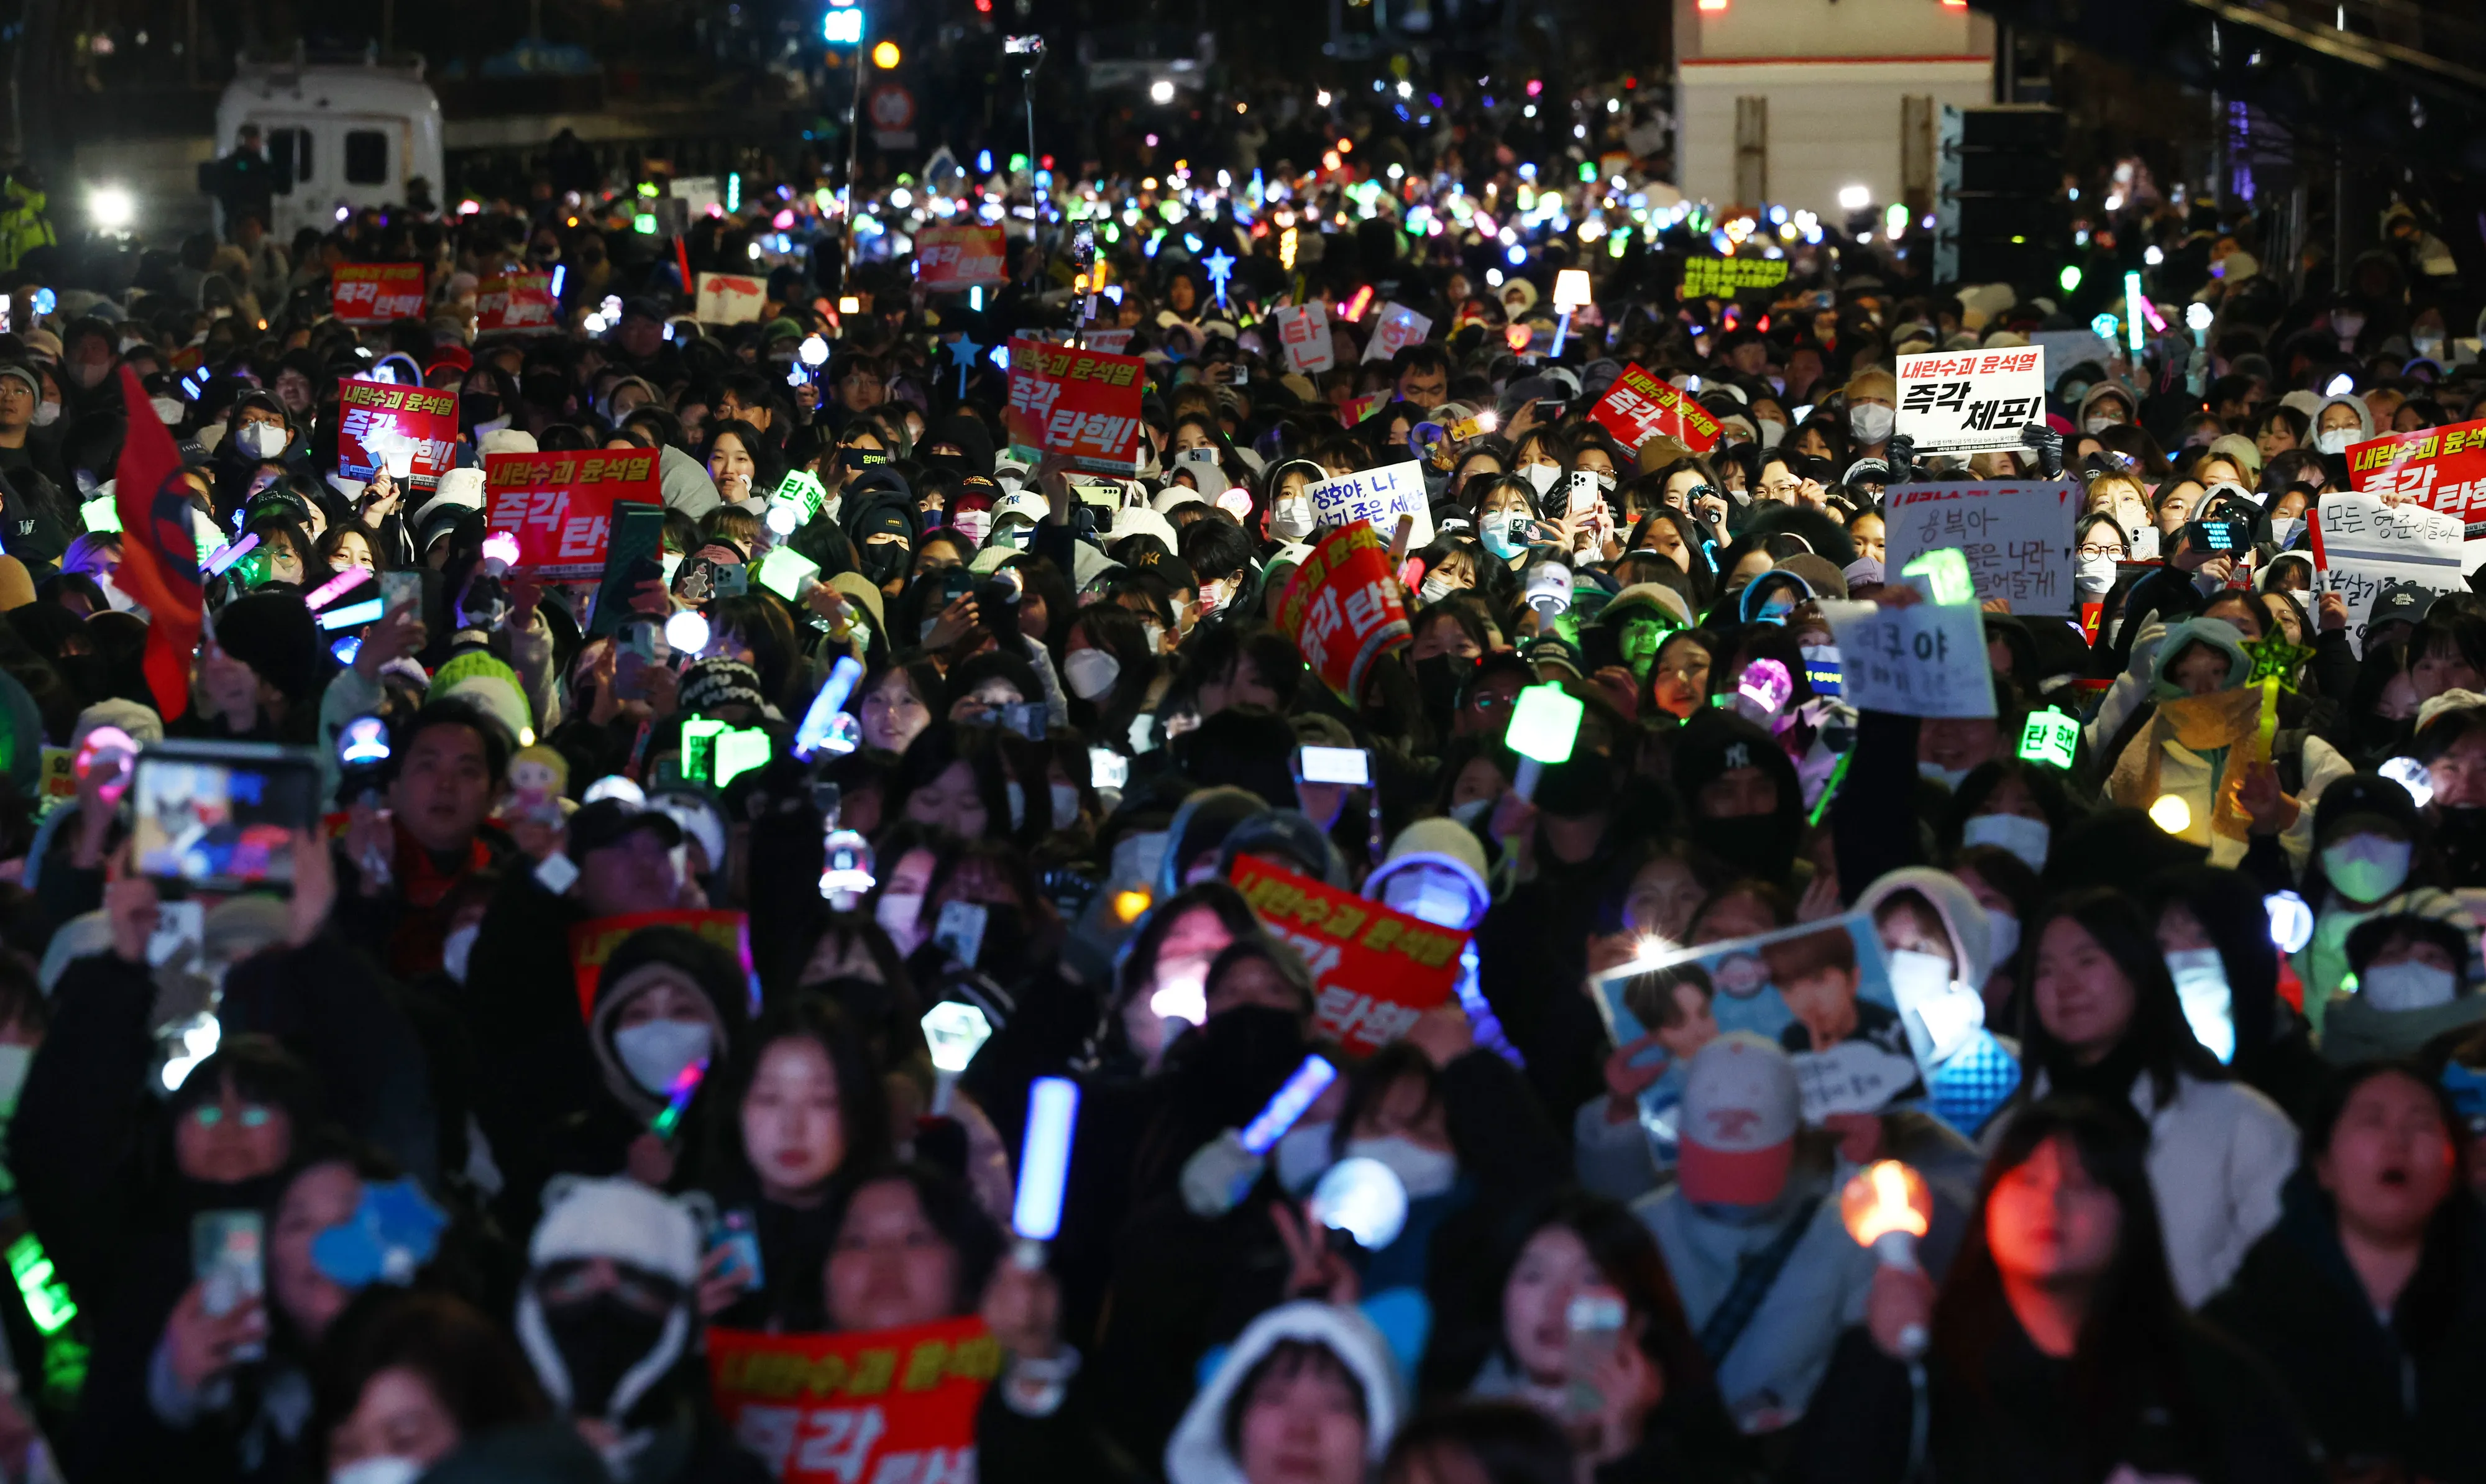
<point x="2367" y="868"/>
<point x="168" y="410"/>
<point x="2002" y="935"/>
<point x="897" y="913"/>
<point x="657" y="1053"/>
<point x="2209" y="1006"/>
<point x="1542" y="477"/>
<point x="2284" y="530"/>
<point x="2408" y="985"/>
<point x="1436" y="586"/>
<point x="1090" y="673"/>
<point x="262" y="440"/>
<point x="456" y="948"/>
<point x="1291" y="520"/>
<point x="2093" y="574"/>
<point x="1430" y="893"/>
<point x="1949" y="778"/>
<point x="1423" y="1171"/>
<point x="1156" y="633"/>
<point x="976" y="525"/>
<point x="1871" y="422"/>
<point x="2099" y="422"/>
<point x="1065" y="805"/>
<point x="1773" y="432"/>
<point x="2021" y="836"/>
<point x="47" y="414"/>
<point x="2334" y="440"/>
<point x="1302" y="1154"/>
<point x="382" y="1469"/>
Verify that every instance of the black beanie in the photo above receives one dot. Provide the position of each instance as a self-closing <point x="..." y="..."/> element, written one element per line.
<point x="273" y="633"/>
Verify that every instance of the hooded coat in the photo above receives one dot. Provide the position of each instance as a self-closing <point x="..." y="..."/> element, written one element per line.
<point x="1198" y="1453"/>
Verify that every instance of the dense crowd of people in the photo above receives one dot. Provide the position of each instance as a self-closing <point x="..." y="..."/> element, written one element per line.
<point x="578" y="1086"/>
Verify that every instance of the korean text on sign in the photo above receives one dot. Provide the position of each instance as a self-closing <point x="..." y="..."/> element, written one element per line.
<point x="1376" y="497"/>
<point x="1374" y="971"/>
<point x="1304" y="330"/>
<point x="1640" y="407"/>
<point x="2440" y="468"/>
<point x="375" y="292"/>
<point x="410" y="431"/>
<point x="517" y="304"/>
<point x="592" y="941"/>
<point x="959" y="257"/>
<point x="1706" y="277"/>
<point x="1970" y="401"/>
<point x="1398" y="328"/>
<point x="560" y="505"/>
<point x="2017" y="537"/>
<point x="878" y="1407"/>
<point x="1924" y="660"/>
<point x="2363" y="544"/>
<point x="1343" y="609"/>
<point x="1083" y="405"/>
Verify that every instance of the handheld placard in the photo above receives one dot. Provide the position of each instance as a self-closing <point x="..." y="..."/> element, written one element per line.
<point x="1300" y="1092"/>
<point x="827" y="723"/>
<point x="2051" y="737"/>
<point x="1043" y="1166"/>
<point x="1887" y="1207"/>
<point x="1544" y="725"/>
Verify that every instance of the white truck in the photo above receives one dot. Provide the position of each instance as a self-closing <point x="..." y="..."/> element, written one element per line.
<point x="343" y="135"/>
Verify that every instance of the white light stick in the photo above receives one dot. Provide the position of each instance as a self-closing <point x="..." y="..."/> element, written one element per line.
<point x="1287" y="1105"/>
<point x="1043" y="1166"/>
<point x="820" y="724"/>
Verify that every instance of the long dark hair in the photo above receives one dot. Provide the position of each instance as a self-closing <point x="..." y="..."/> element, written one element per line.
<point x="863" y="1102"/>
<point x="2129" y="1356"/>
<point x="2158" y="1042"/>
<point x="2229" y="905"/>
<point x="2432" y="1301"/>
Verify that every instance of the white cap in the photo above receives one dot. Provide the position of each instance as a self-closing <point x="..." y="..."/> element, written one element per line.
<point x="1026" y="504"/>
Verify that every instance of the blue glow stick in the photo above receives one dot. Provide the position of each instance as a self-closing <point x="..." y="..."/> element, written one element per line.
<point x="347" y="617"/>
<point x="821" y="718"/>
<point x="1044" y="1158"/>
<point x="1310" y="1081"/>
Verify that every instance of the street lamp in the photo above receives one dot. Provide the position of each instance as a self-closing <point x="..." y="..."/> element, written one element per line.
<point x="885" y="55"/>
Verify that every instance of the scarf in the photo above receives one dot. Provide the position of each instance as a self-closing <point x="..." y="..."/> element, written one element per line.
<point x="2204" y="724"/>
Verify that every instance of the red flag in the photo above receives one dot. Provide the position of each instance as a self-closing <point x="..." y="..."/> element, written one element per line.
<point x="159" y="553"/>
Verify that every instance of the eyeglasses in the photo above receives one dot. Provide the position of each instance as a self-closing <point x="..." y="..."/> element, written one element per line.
<point x="2092" y="552"/>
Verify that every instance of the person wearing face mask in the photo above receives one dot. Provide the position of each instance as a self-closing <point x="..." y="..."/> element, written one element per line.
<point x="1290" y="516"/>
<point x="1873" y="399"/>
<point x="2341" y="424"/>
<point x="1505" y="510"/>
<point x="2106" y="403"/>
<point x="2367" y="835"/>
<point x="2214" y="930"/>
<point x="409" y="1379"/>
<point x="2413" y="990"/>
<point x="665" y="1001"/>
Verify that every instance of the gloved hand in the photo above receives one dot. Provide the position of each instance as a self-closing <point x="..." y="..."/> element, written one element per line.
<point x="1218" y="1174"/>
<point x="1902" y="458"/>
<point x="2048" y="445"/>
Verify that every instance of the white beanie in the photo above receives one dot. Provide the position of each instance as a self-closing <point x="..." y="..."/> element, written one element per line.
<point x="508" y="440"/>
<point x="618" y="1220"/>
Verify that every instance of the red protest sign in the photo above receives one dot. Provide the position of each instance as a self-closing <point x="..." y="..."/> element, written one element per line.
<point x="591" y="943"/>
<point x="1640" y="407"/>
<point x="959" y="257"/>
<point x="880" y="1407"/>
<point x="410" y="431"/>
<point x="1374" y="969"/>
<point x="1084" y="405"/>
<point x="517" y="304"/>
<point x="1344" y="610"/>
<point x="375" y="292"/>
<point x="2440" y="468"/>
<point x="560" y="505"/>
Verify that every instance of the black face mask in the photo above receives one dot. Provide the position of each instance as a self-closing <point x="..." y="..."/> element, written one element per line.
<point x="1578" y="788"/>
<point x="599" y="1341"/>
<point x="883" y="562"/>
<point x="1437" y="681"/>
<point x="1230" y="1067"/>
<point x="1758" y="845"/>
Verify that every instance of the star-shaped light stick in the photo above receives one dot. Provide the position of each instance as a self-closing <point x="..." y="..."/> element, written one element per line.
<point x="1220" y="266"/>
<point x="963" y="354"/>
<point x="2274" y="665"/>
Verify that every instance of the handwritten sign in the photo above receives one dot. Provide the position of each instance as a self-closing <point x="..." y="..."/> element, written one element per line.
<point x="1970" y="401"/>
<point x="591" y="943"/>
<point x="560" y="505"/>
<point x="1377" y="496"/>
<point x="1398" y="328"/>
<point x="1344" y="610"/>
<point x="880" y="1407"/>
<point x="1304" y="330"/>
<point x="1374" y="971"/>
<point x="1722" y="278"/>
<point x="728" y="298"/>
<point x="1640" y="407"/>
<point x="1923" y="660"/>
<point x="2017" y="537"/>
<point x="410" y="431"/>
<point x="1851" y="1077"/>
<point x="2363" y="544"/>
<point x="959" y="255"/>
<point x="375" y="292"/>
<point x="2440" y="468"/>
<point x="517" y="304"/>
<point x="1081" y="403"/>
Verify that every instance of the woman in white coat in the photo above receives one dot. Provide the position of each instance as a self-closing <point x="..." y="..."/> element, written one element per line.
<point x="2104" y="1022"/>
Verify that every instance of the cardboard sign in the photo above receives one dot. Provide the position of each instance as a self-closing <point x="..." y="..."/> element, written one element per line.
<point x="2017" y="537"/>
<point x="517" y="304"/>
<point x="60" y="778"/>
<point x="375" y="292"/>
<point x="1722" y="278"/>
<point x="1343" y="609"/>
<point x="410" y="431"/>
<point x="1110" y="341"/>
<point x="1924" y="660"/>
<point x="1398" y="328"/>
<point x="1081" y="403"/>
<point x="2440" y="468"/>
<point x="729" y="298"/>
<point x="560" y="505"/>
<point x="1377" y="496"/>
<point x="1640" y="407"/>
<point x="2363" y="544"/>
<point x="1970" y="401"/>
<point x="879" y="1407"/>
<point x="1374" y="969"/>
<point x="959" y="257"/>
<point x="591" y="943"/>
<point x="1304" y="330"/>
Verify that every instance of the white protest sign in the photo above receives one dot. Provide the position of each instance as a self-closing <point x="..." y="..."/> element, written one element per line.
<point x="2362" y="545"/>
<point x="1398" y="328"/>
<point x="2016" y="535"/>
<point x="729" y="298"/>
<point x="1970" y="401"/>
<point x="1378" y="496"/>
<point x="1304" y="329"/>
<point x="1851" y="1077"/>
<point x="1923" y="660"/>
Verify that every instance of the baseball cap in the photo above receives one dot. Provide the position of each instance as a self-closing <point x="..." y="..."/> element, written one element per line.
<point x="1025" y="504"/>
<point x="610" y="821"/>
<point x="1741" y="1110"/>
<point x="2401" y="602"/>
